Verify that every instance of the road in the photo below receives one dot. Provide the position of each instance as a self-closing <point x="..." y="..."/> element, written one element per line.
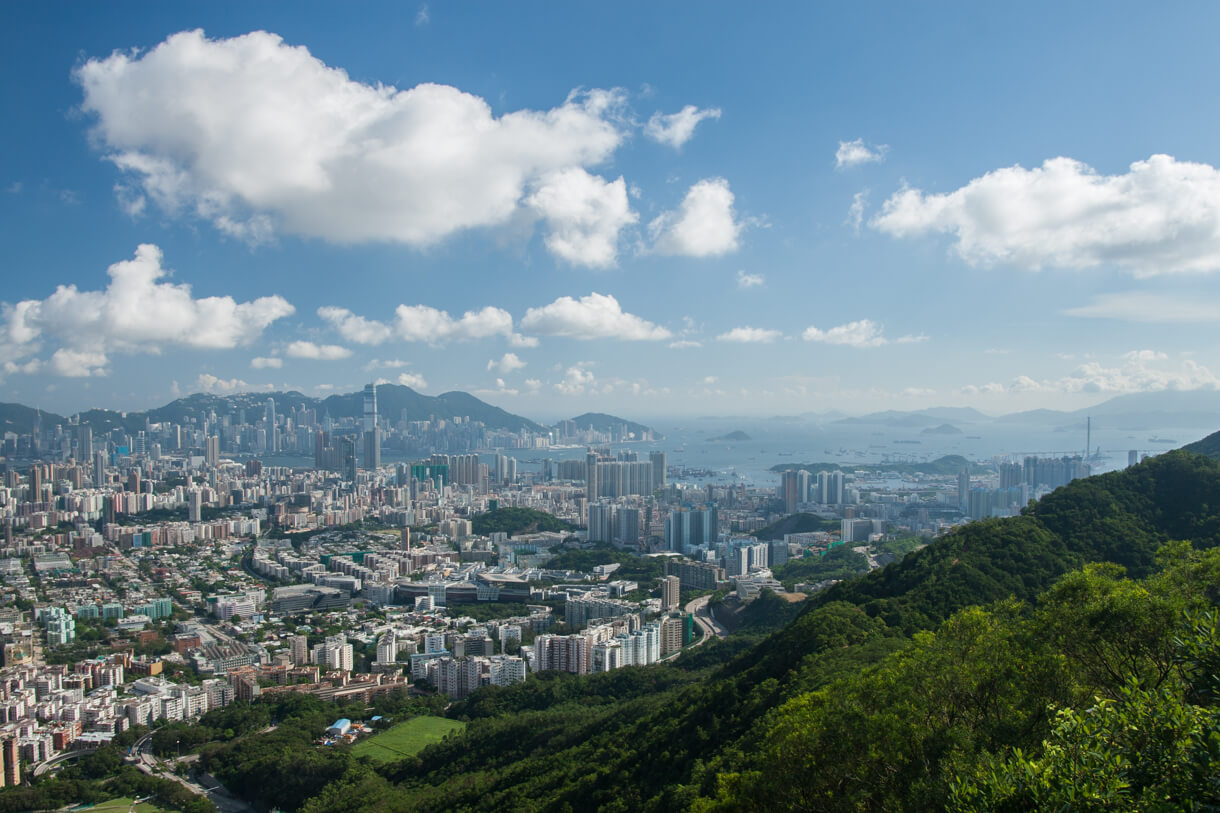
<point x="707" y="624"/>
<point x="216" y="793"/>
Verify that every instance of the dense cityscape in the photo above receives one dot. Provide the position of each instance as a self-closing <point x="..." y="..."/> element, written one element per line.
<point x="642" y="408"/>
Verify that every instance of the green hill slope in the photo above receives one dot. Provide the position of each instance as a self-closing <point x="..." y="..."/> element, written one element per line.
<point x="896" y="690"/>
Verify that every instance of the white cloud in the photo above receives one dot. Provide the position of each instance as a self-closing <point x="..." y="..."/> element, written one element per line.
<point x="266" y="362"/>
<point x="710" y="379"/>
<point x="219" y="386"/>
<point x="855" y="214"/>
<point x="78" y="363"/>
<point x="854" y="153"/>
<point x="1162" y="216"/>
<point x="135" y="313"/>
<point x="517" y="340"/>
<point x="584" y="215"/>
<point x="252" y="133"/>
<point x="575" y="381"/>
<point x="422" y="17"/>
<point x="745" y="280"/>
<point x="533" y="384"/>
<point x="1138" y="371"/>
<point x="991" y="388"/>
<point x="355" y="328"/>
<point x="861" y="333"/>
<point x="1145" y="306"/>
<point x="386" y="364"/>
<point x="413" y="380"/>
<point x="317" y="352"/>
<point x="506" y="364"/>
<point x="676" y="129"/>
<point x="749" y="335"/>
<point x="685" y="344"/>
<point x="421" y="323"/>
<point x="501" y="389"/>
<point x="703" y="226"/>
<point x="596" y="316"/>
<point x="919" y="338"/>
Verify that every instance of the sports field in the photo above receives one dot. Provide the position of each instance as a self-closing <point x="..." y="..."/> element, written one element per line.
<point x="406" y="738"/>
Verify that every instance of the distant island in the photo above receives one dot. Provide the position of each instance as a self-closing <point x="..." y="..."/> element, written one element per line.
<point x="732" y="437"/>
<point x="950" y="464"/>
<point x="943" y="429"/>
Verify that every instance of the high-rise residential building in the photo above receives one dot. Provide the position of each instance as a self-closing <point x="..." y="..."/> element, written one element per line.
<point x="658" y="461"/>
<point x="12" y="762"/>
<point x="84" y="442"/>
<point x="196" y="505"/>
<point x="372" y="433"/>
<point x="688" y="528"/>
<point x="211" y="453"/>
<point x="794" y="489"/>
<point x="592" y="491"/>
<point x="830" y="488"/>
<point x="349" y="459"/>
<point x="269" y="419"/>
<point x="671" y="587"/>
<point x="299" y="650"/>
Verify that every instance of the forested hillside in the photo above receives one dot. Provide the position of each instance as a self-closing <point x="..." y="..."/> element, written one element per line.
<point x="931" y="683"/>
<point x="1064" y="659"/>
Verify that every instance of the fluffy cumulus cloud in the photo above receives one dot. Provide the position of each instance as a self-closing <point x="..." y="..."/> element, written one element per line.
<point x="1161" y="216"/>
<point x="861" y="333"/>
<point x="1148" y="306"/>
<point x="136" y="312"/>
<point x="78" y="363"/>
<point x="422" y="323"/>
<point x="266" y="363"/>
<point x="1136" y="371"/>
<point x="854" y="153"/>
<point x="596" y="316"/>
<point x="506" y="363"/>
<point x="355" y="328"/>
<point x="584" y="215"/>
<point x="685" y="344"/>
<point x="704" y="225"/>
<point x="219" y="386"/>
<point x="676" y="129"/>
<point x="749" y="335"/>
<point x="413" y="380"/>
<point x="575" y="381"/>
<point x="316" y="352"/>
<point x="260" y="137"/>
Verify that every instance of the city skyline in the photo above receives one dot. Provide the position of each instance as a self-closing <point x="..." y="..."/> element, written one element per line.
<point x="764" y="211"/>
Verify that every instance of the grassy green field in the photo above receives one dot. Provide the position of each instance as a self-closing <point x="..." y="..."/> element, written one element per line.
<point x="122" y="805"/>
<point x="406" y="738"/>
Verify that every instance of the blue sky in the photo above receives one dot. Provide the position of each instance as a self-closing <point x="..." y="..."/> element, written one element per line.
<point x="645" y="208"/>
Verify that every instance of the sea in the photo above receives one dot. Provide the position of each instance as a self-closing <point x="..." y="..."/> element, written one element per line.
<point x="701" y="454"/>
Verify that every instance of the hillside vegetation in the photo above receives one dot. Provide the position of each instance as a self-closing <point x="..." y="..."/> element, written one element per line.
<point x="1066" y="659"/>
<point x="964" y="677"/>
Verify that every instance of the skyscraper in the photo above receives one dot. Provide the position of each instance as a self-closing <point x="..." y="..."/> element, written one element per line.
<point x="658" y="469"/>
<point x="372" y="435"/>
<point x="269" y="419"/>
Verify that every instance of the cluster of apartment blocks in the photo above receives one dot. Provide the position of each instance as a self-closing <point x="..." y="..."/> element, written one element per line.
<point x="623" y="641"/>
<point x="45" y="710"/>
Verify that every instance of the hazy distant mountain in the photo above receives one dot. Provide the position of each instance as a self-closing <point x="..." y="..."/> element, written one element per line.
<point x="19" y="418"/>
<point x="393" y="401"/>
<point x="601" y="422"/>
<point x="894" y="418"/>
